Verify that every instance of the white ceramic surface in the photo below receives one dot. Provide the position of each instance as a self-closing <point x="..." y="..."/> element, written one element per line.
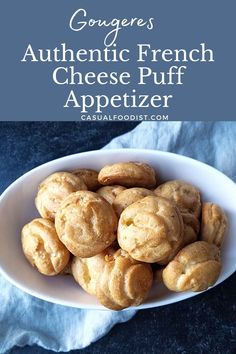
<point x="17" y="208"/>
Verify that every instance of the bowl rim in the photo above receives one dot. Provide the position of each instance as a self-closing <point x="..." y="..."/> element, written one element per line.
<point x="70" y="303"/>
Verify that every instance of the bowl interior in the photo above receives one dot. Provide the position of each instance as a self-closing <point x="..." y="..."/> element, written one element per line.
<point x="17" y="208"/>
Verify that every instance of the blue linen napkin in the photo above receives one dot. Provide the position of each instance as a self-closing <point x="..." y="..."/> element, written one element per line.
<point x="211" y="142"/>
<point x="26" y="320"/>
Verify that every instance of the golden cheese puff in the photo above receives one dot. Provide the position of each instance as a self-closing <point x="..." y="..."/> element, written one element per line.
<point x="110" y="192"/>
<point x="124" y="281"/>
<point x="186" y="196"/>
<point x="90" y="177"/>
<point x="191" y="228"/>
<point x="42" y="247"/>
<point x="86" y="271"/>
<point x="150" y="229"/>
<point x="54" y="189"/>
<point x="214" y="224"/>
<point x="129" y="196"/>
<point x="128" y="174"/>
<point x="86" y="223"/>
<point x="196" y="267"/>
<point x="157" y="275"/>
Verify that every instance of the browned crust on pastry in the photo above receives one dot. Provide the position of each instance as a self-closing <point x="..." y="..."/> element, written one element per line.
<point x="110" y="192"/>
<point x="86" y="223"/>
<point x="87" y="271"/>
<point x="128" y="174"/>
<point x="129" y="196"/>
<point x="89" y="176"/>
<point x="191" y="228"/>
<point x="124" y="282"/>
<point x="196" y="267"/>
<point x="157" y="275"/>
<point x="150" y="229"/>
<point x="186" y="196"/>
<point x="54" y="189"/>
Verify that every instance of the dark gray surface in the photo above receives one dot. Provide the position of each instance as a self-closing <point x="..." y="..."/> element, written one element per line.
<point x="204" y="324"/>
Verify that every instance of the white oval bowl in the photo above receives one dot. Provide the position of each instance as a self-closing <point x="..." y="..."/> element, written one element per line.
<point x="17" y="208"/>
